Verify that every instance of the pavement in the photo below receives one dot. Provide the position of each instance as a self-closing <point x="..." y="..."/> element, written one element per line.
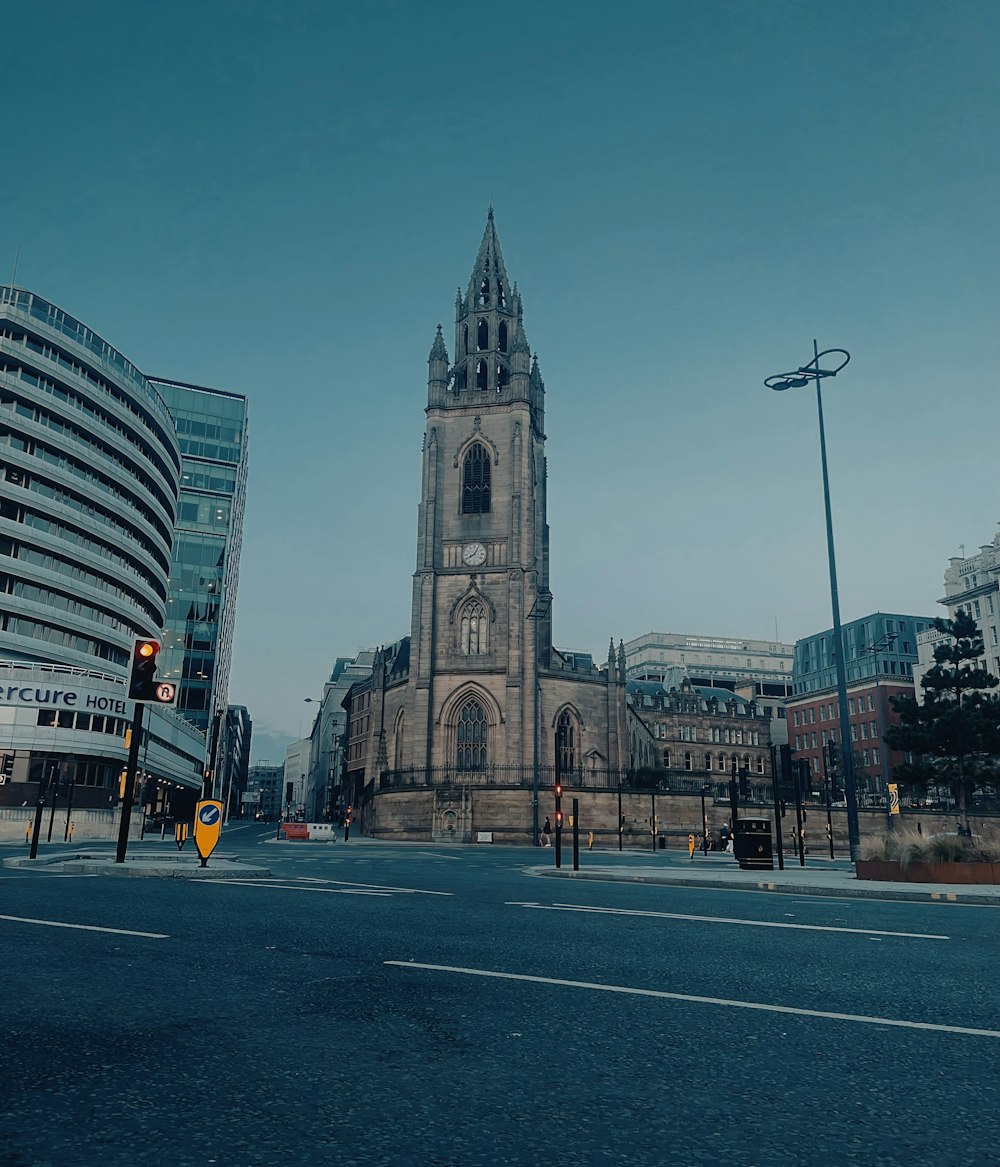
<point x="139" y="864"/>
<point x="820" y="877"/>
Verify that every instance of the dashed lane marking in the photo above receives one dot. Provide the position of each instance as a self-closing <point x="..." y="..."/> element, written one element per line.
<point x="342" y="885"/>
<point x="857" y="1018"/>
<point x="86" y="927"/>
<point x="722" y="920"/>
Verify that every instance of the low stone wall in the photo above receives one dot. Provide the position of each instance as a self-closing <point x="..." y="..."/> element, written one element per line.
<point x="88" y="825"/>
<point x="459" y="813"/>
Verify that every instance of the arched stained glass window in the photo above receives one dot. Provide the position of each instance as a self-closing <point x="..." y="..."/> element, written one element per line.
<point x="565" y="743"/>
<point x="473" y="629"/>
<point x="476" y="481"/>
<point x="471" y="737"/>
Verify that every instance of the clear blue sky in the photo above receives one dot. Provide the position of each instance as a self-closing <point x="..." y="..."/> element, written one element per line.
<point x="281" y="199"/>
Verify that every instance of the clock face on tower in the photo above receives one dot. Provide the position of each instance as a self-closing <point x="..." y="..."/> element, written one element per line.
<point x="473" y="554"/>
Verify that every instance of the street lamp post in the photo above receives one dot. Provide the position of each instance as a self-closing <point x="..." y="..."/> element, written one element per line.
<point x="799" y="379"/>
<point x="539" y="610"/>
<point x="883" y="644"/>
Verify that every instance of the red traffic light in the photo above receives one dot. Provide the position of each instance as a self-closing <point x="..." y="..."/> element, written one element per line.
<point x="558" y="790"/>
<point x="143" y="684"/>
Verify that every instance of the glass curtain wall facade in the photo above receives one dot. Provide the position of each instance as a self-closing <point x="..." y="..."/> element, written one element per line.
<point x="201" y="608"/>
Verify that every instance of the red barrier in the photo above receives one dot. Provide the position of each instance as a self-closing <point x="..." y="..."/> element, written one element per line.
<point x="296" y="830"/>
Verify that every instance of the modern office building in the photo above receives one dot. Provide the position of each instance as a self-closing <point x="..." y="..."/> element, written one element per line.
<point x="201" y="609"/>
<point x="710" y="661"/>
<point x="264" y="792"/>
<point x="89" y="479"/>
<point x="880" y="652"/>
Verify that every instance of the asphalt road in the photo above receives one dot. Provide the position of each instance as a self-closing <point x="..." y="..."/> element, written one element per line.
<point x="350" y="1011"/>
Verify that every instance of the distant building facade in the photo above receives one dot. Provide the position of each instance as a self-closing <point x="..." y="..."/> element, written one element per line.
<point x="880" y="656"/>
<point x="714" y="661"/>
<point x="702" y="733"/>
<point x="265" y="791"/>
<point x="972" y="585"/>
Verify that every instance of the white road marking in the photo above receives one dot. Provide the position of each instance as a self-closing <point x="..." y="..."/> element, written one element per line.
<point x="858" y="1018"/>
<point x="86" y="927"/>
<point x="343" y="885"/>
<point x="725" y="920"/>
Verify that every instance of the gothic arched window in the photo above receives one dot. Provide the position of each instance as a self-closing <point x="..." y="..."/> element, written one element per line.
<point x="473" y="630"/>
<point x="484" y="292"/>
<point x="476" y="481"/>
<point x="461" y="379"/>
<point x="502" y="342"/>
<point x="501" y="294"/>
<point x="503" y="377"/>
<point x="471" y="737"/>
<point x="465" y="340"/>
<point x="483" y="336"/>
<point x="482" y="373"/>
<point x="565" y="743"/>
<point x="722" y="761"/>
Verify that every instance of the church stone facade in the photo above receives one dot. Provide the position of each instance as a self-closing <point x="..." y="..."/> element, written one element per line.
<point x="455" y="704"/>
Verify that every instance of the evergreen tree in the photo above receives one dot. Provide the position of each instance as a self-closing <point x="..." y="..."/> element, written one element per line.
<point x="954" y="733"/>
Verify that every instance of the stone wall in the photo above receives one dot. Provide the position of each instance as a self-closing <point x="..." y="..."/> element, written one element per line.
<point x="88" y="825"/>
<point x="421" y="815"/>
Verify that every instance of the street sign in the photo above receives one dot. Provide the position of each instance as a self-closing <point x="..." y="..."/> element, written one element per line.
<point x="893" y="798"/>
<point x="207" y="828"/>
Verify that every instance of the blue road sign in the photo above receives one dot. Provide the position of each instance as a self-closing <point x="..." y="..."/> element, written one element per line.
<point x="209" y="814"/>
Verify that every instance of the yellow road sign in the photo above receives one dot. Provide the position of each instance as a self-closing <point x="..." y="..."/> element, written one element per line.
<point x="893" y="798"/>
<point x="207" y="827"/>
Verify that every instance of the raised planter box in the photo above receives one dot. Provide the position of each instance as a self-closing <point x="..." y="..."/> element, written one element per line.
<point x="888" y="870"/>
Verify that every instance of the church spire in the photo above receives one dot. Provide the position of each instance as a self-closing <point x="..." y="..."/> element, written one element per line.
<point x="488" y="284"/>
<point x="487" y="320"/>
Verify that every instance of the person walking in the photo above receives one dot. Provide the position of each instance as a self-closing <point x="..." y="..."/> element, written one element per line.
<point x="348" y="815"/>
<point x="691" y="847"/>
<point x="590" y="841"/>
<point x="546" y="831"/>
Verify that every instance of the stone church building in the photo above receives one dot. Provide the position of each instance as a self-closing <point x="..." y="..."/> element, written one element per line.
<point x="456" y="721"/>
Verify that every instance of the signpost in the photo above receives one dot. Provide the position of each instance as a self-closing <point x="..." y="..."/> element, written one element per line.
<point x="207" y="828"/>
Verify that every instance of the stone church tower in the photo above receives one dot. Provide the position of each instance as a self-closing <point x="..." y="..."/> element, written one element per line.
<point x="481" y="626"/>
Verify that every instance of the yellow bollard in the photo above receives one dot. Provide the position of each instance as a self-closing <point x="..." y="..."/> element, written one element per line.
<point x="27" y="832"/>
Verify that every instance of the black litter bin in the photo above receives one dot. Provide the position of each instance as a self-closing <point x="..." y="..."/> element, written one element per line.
<point x="752" y="844"/>
<point x="662" y="842"/>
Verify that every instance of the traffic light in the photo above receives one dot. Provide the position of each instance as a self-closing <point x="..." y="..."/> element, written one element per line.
<point x="559" y="815"/>
<point x="142" y="683"/>
<point x="6" y="767"/>
<point x="744" y="784"/>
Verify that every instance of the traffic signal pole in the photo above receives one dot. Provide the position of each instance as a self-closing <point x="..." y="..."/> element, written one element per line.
<point x="129" y="793"/>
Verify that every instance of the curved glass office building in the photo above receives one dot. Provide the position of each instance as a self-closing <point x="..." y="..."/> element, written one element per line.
<point x="89" y="480"/>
